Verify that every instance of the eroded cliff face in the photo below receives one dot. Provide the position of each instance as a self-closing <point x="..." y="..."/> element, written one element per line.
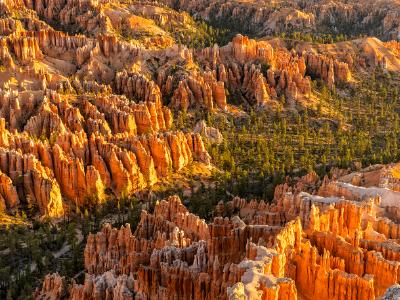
<point x="252" y="72"/>
<point x="256" y="73"/>
<point x="301" y="245"/>
<point x="98" y="109"/>
<point x="263" y="18"/>
<point x="57" y="149"/>
<point x="87" y="95"/>
<point x="238" y="68"/>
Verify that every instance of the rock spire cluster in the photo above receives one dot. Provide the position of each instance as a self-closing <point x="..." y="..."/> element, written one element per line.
<point x="325" y="239"/>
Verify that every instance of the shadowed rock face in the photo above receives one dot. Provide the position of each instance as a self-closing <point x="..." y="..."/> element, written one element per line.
<point x="368" y="17"/>
<point x="301" y="245"/>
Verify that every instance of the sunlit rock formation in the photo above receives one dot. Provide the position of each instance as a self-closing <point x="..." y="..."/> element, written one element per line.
<point x="311" y="242"/>
<point x="54" y="150"/>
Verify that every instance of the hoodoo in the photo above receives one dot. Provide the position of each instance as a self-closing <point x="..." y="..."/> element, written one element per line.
<point x="208" y="149"/>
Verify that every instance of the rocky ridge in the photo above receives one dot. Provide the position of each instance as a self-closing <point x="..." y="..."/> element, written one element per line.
<point x="54" y="149"/>
<point x="100" y="66"/>
<point x="98" y="108"/>
<point x="368" y="17"/>
<point x="257" y="73"/>
<point x="88" y="94"/>
<point x="312" y="241"/>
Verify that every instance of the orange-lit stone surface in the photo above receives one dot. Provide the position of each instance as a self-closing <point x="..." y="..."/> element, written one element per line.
<point x="311" y="242"/>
